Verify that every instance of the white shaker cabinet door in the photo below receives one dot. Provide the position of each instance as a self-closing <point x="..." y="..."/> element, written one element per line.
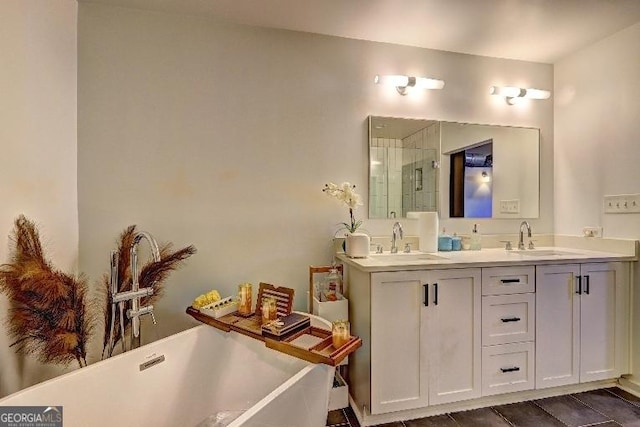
<point x="453" y="337"/>
<point x="582" y="323"/>
<point x="398" y="378"/>
<point x="557" y="325"/>
<point x="603" y="324"/>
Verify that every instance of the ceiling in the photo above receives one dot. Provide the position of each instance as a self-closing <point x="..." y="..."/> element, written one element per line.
<point x="531" y="30"/>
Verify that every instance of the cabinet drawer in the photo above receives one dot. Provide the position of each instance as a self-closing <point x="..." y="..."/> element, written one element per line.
<point x="507" y="368"/>
<point x="508" y="280"/>
<point x="508" y="318"/>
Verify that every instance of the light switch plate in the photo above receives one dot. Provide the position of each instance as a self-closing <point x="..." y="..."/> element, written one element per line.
<point x="510" y="206"/>
<point x="622" y="203"/>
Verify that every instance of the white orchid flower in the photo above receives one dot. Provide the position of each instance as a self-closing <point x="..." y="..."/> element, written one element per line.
<point x="345" y="193"/>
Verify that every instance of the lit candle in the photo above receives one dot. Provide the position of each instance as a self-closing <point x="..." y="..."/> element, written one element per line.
<point x="340" y="332"/>
<point x="269" y="310"/>
<point x="244" y="295"/>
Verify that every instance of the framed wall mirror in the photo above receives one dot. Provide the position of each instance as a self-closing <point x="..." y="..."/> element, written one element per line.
<point x="457" y="169"/>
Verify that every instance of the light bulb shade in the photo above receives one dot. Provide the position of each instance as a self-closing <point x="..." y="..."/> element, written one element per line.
<point x="537" y="94"/>
<point x="426" y="83"/>
<point x="401" y="83"/>
<point x="392" y="80"/>
<point x="511" y="93"/>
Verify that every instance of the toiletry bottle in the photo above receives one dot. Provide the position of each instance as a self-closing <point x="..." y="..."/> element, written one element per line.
<point x="333" y="286"/>
<point x="476" y="239"/>
<point x="444" y="241"/>
<point x="456" y="242"/>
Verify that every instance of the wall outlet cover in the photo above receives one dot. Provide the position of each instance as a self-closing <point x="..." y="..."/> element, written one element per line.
<point x="592" y="231"/>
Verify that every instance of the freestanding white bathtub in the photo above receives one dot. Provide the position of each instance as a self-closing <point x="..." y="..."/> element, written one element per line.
<point x="204" y="372"/>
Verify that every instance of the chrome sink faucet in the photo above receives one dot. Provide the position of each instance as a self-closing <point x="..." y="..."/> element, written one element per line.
<point x="521" y="239"/>
<point x="397" y="231"/>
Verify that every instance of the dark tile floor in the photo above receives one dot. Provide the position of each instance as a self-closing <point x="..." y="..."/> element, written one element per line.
<point x="599" y="408"/>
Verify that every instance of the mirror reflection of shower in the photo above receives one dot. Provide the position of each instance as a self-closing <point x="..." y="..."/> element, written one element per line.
<point x="514" y="180"/>
<point x="471" y="190"/>
<point x="403" y="168"/>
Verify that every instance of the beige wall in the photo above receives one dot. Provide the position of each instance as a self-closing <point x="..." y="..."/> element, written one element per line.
<point x="38" y="139"/>
<point x="222" y="136"/>
<point x="597" y="134"/>
<point x="597" y="143"/>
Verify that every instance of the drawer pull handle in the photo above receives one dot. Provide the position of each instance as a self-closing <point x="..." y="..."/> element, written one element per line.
<point x="586" y="284"/>
<point x="514" y="369"/>
<point x="435" y="294"/>
<point x="579" y="279"/>
<point x="426" y="294"/>
<point x="510" y="319"/>
<point x="507" y="281"/>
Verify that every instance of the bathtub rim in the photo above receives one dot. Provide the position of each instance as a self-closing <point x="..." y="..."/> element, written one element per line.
<point x="150" y="347"/>
<point x="249" y="413"/>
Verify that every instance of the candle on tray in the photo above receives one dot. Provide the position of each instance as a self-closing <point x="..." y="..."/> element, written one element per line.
<point x="244" y="297"/>
<point x="340" y="331"/>
<point x="269" y="309"/>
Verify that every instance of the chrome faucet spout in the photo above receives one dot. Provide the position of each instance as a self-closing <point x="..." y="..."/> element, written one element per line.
<point x="136" y="311"/>
<point x="396" y="231"/>
<point x="521" y="238"/>
<point x="120" y="298"/>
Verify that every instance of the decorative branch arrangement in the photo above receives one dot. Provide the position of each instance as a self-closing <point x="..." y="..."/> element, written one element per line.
<point x="48" y="317"/>
<point x="152" y="274"/>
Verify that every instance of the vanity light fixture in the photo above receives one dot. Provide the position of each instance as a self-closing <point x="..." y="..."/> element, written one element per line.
<point x="513" y="95"/>
<point x="404" y="83"/>
<point x="485" y="177"/>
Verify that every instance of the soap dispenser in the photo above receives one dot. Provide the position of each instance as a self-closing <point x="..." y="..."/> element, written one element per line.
<point x="476" y="239"/>
<point x="444" y="242"/>
<point x="456" y="242"/>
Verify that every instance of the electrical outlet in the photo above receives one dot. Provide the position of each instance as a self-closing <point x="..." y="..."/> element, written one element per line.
<point x="592" y="231"/>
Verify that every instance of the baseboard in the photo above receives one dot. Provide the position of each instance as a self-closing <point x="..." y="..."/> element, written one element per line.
<point x="630" y="384"/>
<point x="365" y="418"/>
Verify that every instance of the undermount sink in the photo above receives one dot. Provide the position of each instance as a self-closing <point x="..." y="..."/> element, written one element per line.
<point x="414" y="256"/>
<point x="542" y="252"/>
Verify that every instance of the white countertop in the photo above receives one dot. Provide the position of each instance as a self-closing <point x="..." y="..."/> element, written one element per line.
<point x="492" y="257"/>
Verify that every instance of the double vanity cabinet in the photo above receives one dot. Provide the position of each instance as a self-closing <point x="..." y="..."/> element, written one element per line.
<point x="473" y="325"/>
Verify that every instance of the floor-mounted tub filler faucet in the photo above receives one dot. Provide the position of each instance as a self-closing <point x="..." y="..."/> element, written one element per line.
<point x="395" y="233"/>
<point x="119" y="299"/>
<point x="521" y="239"/>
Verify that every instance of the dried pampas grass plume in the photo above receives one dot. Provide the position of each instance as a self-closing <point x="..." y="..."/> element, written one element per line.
<point x="48" y="317"/>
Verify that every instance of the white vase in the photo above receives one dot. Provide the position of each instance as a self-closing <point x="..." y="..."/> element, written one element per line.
<point x="357" y="245"/>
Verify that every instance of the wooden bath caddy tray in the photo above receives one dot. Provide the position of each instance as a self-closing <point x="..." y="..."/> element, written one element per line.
<point x="311" y="343"/>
